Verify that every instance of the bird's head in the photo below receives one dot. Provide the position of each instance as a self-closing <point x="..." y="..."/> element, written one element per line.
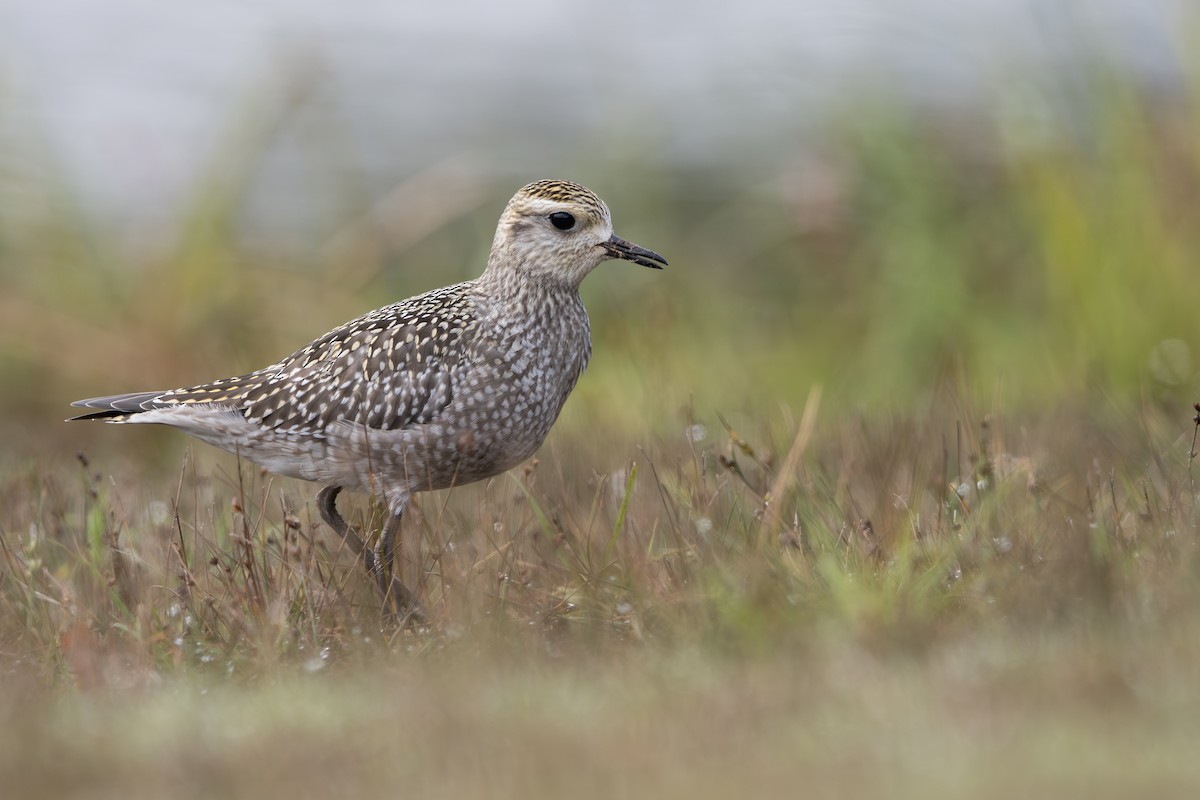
<point x="560" y="231"/>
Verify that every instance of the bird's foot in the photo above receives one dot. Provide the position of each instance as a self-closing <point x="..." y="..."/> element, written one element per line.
<point x="401" y="606"/>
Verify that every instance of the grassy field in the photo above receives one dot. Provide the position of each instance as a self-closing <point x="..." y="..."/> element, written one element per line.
<point x="885" y="487"/>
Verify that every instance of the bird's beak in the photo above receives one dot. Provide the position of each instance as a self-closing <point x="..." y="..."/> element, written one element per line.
<point x="616" y="247"/>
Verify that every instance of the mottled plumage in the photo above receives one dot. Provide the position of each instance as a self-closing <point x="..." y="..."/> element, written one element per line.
<point x="449" y="387"/>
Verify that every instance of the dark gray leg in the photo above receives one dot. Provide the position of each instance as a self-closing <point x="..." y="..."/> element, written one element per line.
<point x="327" y="505"/>
<point x="399" y="600"/>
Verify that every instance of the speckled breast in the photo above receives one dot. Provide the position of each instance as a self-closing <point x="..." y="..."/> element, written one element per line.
<point x="506" y="395"/>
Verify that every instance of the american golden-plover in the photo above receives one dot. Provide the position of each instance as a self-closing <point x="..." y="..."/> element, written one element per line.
<point x="449" y="387"/>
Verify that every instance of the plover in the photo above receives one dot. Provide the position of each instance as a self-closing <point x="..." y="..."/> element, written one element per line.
<point x="449" y="387"/>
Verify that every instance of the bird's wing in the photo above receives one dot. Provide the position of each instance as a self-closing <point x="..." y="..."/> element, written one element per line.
<point x="386" y="370"/>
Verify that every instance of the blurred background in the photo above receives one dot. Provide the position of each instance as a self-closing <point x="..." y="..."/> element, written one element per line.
<point x="996" y="197"/>
<point x="933" y="262"/>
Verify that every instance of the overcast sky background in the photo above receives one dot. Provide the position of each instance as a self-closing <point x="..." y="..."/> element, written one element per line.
<point x="129" y="99"/>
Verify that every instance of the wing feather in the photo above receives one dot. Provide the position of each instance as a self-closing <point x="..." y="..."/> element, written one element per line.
<point x="387" y="369"/>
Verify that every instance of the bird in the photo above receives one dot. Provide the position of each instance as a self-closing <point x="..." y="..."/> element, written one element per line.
<point x="449" y="387"/>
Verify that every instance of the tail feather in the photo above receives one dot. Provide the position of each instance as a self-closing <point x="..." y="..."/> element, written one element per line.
<point x="117" y="407"/>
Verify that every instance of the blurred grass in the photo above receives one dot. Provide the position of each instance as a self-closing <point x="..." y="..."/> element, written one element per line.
<point x="884" y="486"/>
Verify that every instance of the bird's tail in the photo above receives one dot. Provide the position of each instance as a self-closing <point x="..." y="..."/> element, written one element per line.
<point x="118" y="407"/>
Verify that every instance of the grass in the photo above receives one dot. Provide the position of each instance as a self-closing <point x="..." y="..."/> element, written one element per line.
<point x="1017" y="627"/>
<point x="885" y="487"/>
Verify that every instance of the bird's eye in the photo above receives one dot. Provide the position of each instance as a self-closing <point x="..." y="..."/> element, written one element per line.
<point x="562" y="220"/>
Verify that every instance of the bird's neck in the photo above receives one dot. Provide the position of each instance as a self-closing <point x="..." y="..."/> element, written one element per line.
<point x="509" y="276"/>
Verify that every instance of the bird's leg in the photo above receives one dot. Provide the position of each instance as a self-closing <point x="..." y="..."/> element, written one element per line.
<point x="398" y="599"/>
<point x="327" y="505"/>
